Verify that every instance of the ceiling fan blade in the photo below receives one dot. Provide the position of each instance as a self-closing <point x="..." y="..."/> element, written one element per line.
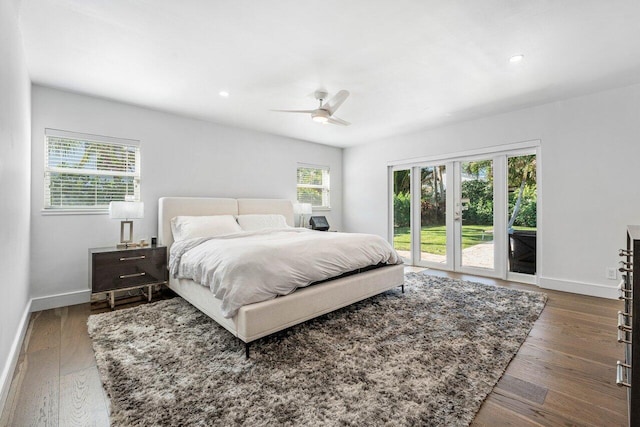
<point x="337" y="121"/>
<point x="334" y="103"/>
<point x="294" y="111"/>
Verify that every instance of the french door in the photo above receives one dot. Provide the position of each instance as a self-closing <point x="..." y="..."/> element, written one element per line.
<point x="454" y="214"/>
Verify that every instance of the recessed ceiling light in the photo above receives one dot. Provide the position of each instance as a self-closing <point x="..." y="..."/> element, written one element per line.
<point x="223" y="93"/>
<point x="516" y="58"/>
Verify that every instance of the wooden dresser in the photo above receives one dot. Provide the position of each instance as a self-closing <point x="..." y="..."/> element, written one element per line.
<point x="112" y="269"/>
<point x="629" y="323"/>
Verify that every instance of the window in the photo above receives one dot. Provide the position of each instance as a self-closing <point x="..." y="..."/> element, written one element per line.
<point x="313" y="185"/>
<point x="86" y="172"/>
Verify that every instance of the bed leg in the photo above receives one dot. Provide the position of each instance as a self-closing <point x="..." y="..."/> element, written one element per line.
<point x="402" y="288"/>
<point x="246" y="350"/>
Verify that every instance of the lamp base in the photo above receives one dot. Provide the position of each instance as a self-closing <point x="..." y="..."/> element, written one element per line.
<point x="126" y="245"/>
<point x="122" y="228"/>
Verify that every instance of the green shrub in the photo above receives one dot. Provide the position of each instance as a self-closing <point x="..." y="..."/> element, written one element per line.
<point x="480" y="207"/>
<point x="527" y="217"/>
<point x="402" y="210"/>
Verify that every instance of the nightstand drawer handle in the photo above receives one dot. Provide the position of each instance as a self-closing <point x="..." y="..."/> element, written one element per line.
<point x="132" y="258"/>
<point x="622" y="375"/>
<point x="622" y="337"/>
<point x="622" y="288"/>
<point x="126" y="276"/>
<point x="623" y="324"/>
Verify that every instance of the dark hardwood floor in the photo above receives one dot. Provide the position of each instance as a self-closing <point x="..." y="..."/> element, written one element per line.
<point x="564" y="373"/>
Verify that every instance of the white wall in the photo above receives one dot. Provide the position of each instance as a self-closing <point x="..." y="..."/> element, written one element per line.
<point x="15" y="166"/>
<point x="179" y="157"/>
<point x="590" y="177"/>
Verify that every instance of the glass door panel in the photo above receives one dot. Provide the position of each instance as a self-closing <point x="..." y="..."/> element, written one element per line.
<point x="475" y="215"/>
<point x="433" y="214"/>
<point x="402" y="213"/>
<point x="522" y="213"/>
<point x="474" y="212"/>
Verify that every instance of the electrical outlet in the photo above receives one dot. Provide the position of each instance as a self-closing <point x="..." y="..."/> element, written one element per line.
<point x="612" y="273"/>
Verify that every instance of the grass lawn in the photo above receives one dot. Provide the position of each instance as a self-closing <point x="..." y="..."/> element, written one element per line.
<point x="433" y="238"/>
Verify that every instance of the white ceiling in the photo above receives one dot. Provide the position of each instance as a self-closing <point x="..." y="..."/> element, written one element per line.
<point x="409" y="64"/>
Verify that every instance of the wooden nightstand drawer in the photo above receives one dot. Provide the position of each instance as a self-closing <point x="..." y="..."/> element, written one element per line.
<point x="118" y="269"/>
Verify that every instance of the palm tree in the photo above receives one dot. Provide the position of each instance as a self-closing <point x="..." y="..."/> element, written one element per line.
<point x="402" y="181"/>
<point x="522" y="172"/>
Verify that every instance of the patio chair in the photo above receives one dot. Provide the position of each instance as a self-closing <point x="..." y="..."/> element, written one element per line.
<point x="522" y="252"/>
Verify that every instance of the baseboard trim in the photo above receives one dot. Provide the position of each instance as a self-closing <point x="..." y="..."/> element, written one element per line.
<point x="14" y="353"/>
<point x="60" y="300"/>
<point x="591" y="289"/>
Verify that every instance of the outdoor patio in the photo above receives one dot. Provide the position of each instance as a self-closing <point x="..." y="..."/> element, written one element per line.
<point x="480" y="255"/>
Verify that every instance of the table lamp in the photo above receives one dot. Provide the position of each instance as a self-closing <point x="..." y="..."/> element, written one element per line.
<point x="126" y="211"/>
<point x="302" y="209"/>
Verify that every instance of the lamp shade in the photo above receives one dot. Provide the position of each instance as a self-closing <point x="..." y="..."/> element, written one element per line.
<point x="306" y="208"/>
<point x="126" y="210"/>
<point x="302" y="208"/>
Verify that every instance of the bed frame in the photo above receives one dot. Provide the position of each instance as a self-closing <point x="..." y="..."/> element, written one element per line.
<point x="260" y="319"/>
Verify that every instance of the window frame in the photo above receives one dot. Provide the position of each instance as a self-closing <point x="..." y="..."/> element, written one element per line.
<point x="325" y="186"/>
<point x="48" y="209"/>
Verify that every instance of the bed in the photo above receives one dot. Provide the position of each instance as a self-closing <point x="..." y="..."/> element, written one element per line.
<point x="253" y="321"/>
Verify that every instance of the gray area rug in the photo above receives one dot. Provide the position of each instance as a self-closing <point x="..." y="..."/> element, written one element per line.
<point x="426" y="357"/>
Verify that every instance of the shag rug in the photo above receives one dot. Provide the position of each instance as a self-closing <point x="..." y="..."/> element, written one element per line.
<point x="426" y="357"/>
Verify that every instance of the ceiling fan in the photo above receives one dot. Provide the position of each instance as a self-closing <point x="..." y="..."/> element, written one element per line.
<point x="324" y="113"/>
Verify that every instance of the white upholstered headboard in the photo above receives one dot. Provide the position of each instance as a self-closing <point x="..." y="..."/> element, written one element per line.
<point x="170" y="207"/>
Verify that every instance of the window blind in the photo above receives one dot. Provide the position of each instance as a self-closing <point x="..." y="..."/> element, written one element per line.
<point x="87" y="171"/>
<point x="313" y="185"/>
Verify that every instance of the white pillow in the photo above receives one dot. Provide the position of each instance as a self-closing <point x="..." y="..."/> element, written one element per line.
<point x="261" y="222"/>
<point x="189" y="227"/>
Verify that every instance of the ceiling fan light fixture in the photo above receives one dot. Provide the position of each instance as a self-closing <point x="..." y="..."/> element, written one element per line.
<point x="324" y="113"/>
<point x="320" y="116"/>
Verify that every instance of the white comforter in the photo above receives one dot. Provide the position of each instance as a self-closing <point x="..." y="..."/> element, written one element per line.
<point x="243" y="268"/>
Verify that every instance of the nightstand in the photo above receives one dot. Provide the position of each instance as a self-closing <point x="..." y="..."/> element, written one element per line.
<point x="112" y="269"/>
